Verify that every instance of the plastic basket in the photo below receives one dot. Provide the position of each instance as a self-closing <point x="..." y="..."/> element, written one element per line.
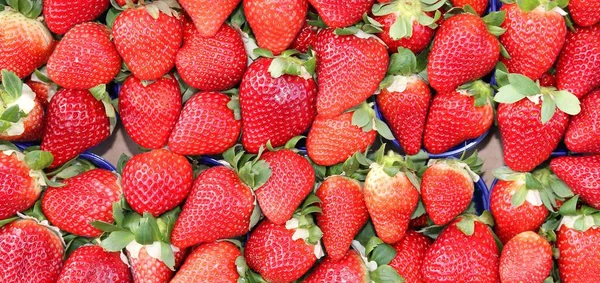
<point x="95" y="159"/>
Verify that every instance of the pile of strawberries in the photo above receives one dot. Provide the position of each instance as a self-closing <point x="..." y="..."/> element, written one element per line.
<point x="262" y="126"/>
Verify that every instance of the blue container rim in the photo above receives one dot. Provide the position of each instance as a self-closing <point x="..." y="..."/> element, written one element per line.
<point x="95" y="159"/>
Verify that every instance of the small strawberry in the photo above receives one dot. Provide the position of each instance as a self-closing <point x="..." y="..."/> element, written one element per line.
<point x="306" y="38"/>
<point x="123" y="2"/>
<point x="581" y="135"/>
<point x="208" y="15"/>
<point x="480" y="6"/>
<point x="146" y="268"/>
<point x="62" y="15"/>
<point x="94" y="264"/>
<point x="582" y="175"/>
<point x="43" y="91"/>
<point x="585" y="13"/>
<point x="578" y="66"/>
<point x="98" y="62"/>
<point x="210" y="262"/>
<point x="410" y="252"/>
<point x="526" y="258"/>
<point x="349" y="268"/>
<point x="548" y="80"/>
<point x="21" y="113"/>
<point x="339" y="14"/>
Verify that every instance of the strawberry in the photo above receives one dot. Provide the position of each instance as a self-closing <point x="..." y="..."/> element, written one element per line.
<point x="548" y="80"/>
<point x="62" y="15"/>
<point x="211" y="64"/>
<point x="167" y="175"/>
<point x="452" y="62"/>
<point x="33" y="126"/>
<point x="123" y="2"/>
<point x="210" y="262"/>
<point x="410" y="252"/>
<point x="43" y="91"/>
<point x="581" y="174"/>
<point x="146" y="268"/>
<point x="478" y="5"/>
<point x="349" y="268"/>
<point x="533" y="39"/>
<point x="275" y="106"/>
<point x="74" y="111"/>
<point x="21" y="113"/>
<point x="339" y="14"/>
<point x="94" y="264"/>
<point x="578" y="66"/>
<point x="30" y="252"/>
<point x="208" y="15"/>
<point x="98" y="62"/>
<point x="275" y="24"/>
<point x="581" y="135"/>
<point x="465" y="251"/>
<point x="526" y="258"/>
<point x="148" y="38"/>
<point x="25" y="42"/>
<point x="457" y="116"/>
<point x="585" y="13"/>
<point x="344" y="214"/>
<point x="149" y="112"/>
<point x="306" y="38"/>
<point x="349" y="69"/>
<point x="206" y="126"/>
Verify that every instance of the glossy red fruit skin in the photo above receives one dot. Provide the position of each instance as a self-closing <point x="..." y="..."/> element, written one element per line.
<point x="478" y="5"/>
<point x="453" y="62"/>
<point x="581" y="135"/>
<point x="420" y="39"/>
<point x="210" y="262"/>
<point x="344" y="214"/>
<point x="29" y="252"/>
<point x="271" y="252"/>
<point x="211" y="64"/>
<point x="34" y="125"/>
<point x="206" y="126"/>
<point x="156" y="181"/>
<point x="42" y="92"/>
<point x="350" y="268"/>
<point x="218" y="207"/>
<point x="578" y="66"/>
<point x="73" y="111"/>
<point x="349" y="70"/>
<point x="585" y="13"/>
<point x="84" y="198"/>
<point x="526" y="258"/>
<point x="149" y="113"/>
<point x="547" y="80"/>
<point x="509" y="220"/>
<point x="456" y="257"/>
<point x="526" y="141"/>
<point x="94" y="264"/>
<point x="147" y="269"/>
<point x="274" y="109"/>
<point x="208" y="15"/>
<point x="306" y="38"/>
<point x="410" y="252"/>
<point x="339" y="14"/>
<point x="579" y="255"/>
<point x="582" y="175"/>
<point x="62" y="15"/>
<point x="148" y="46"/>
<point x="18" y="191"/>
<point x="334" y="140"/>
<point x="533" y="40"/>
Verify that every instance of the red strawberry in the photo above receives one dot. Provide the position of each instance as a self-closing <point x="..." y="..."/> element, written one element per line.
<point x="275" y="24"/>
<point x="349" y="69"/>
<point x="349" y="268"/>
<point x="62" y="15"/>
<point x="123" y="2"/>
<point x="84" y="198"/>
<point x="578" y="66"/>
<point x="32" y="125"/>
<point x="149" y="113"/>
<point x="344" y="214"/>
<point x="410" y="252"/>
<point x="526" y="258"/>
<point x="275" y="107"/>
<point x="148" y="43"/>
<point x="211" y="64"/>
<point x="94" y="264"/>
<point x="579" y="252"/>
<point x="533" y="39"/>
<point x="206" y="126"/>
<point x="43" y="91"/>
<point x="585" y="13"/>
<point x="148" y="269"/>
<point x="582" y="175"/>
<point x="156" y="181"/>
<point x="69" y="112"/>
<point x="210" y="262"/>
<point x="306" y="38"/>
<point x="84" y="58"/>
<point x="339" y="14"/>
<point x="208" y="15"/>
<point x="452" y="62"/>
<point x="457" y="116"/>
<point x="581" y="135"/>
<point x="478" y="5"/>
<point x="548" y="80"/>
<point x="30" y="252"/>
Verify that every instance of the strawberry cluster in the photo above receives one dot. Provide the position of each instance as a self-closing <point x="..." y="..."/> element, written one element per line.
<point x="261" y="127"/>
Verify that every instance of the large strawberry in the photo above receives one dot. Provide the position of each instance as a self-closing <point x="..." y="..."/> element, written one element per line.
<point x="581" y="174"/>
<point x="585" y="13"/>
<point x="210" y="262"/>
<point x="349" y="69"/>
<point x="147" y="39"/>
<point x="410" y="252"/>
<point x="478" y="5"/>
<point x="578" y="66"/>
<point x="21" y="112"/>
<point x="208" y="15"/>
<point x="339" y="14"/>
<point x="84" y="58"/>
<point x="458" y="115"/>
<point x="526" y="258"/>
<point x="349" y="268"/>
<point x="146" y="268"/>
<point x="62" y="15"/>
<point x="94" y="264"/>
<point x="275" y="106"/>
<point x="581" y="135"/>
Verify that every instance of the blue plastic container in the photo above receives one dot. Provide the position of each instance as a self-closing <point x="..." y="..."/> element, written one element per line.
<point x="95" y="159"/>
<point x="481" y="196"/>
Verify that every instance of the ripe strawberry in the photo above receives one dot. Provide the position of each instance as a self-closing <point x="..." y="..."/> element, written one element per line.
<point x="149" y="113"/>
<point x="211" y="64"/>
<point x="344" y="214"/>
<point x="548" y="80"/>
<point x="62" y="15"/>
<point x="43" y="91"/>
<point x="98" y="62"/>
<point x="74" y="111"/>
<point x="124" y="2"/>
<point x="465" y="251"/>
<point x="210" y="262"/>
<point x="585" y="13"/>
<point x="27" y="122"/>
<point x="148" y="43"/>
<point x="94" y="264"/>
<point x="339" y="14"/>
<point x="146" y="268"/>
<point x="349" y="69"/>
<point x="274" y="108"/>
<point x="578" y="66"/>
<point x="457" y="116"/>
<point x="30" y="252"/>
<point x="208" y="15"/>
<point x="526" y="258"/>
<point x="349" y="268"/>
<point x="410" y="252"/>
<point x="306" y="38"/>
<point x="533" y="39"/>
<point x="581" y="135"/>
<point x="478" y="5"/>
<point x="452" y="62"/>
<point x="581" y="174"/>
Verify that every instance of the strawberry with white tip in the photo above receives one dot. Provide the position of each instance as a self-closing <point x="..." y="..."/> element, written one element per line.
<point x="22" y="115"/>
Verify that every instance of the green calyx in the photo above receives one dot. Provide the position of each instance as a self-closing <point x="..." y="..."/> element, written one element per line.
<point x="364" y="117"/>
<point x="368" y="26"/>
<point x="291" y="144"/>
<point x="493" y="21"/>
<point x="580" y="219"/>
<point x="405" y="63"/>
<point x="16" y="101"/>
<point x="253" y="171"/>
<point x="234" y="105"/>
<point x="101" y="94"/>
<point x="29" y="8"/>
<point x="467" y="222"/>
<point x="290" y="62"/>
<point x="408" y="11"/>
<point x="377" y="255"/>
<point x="393" y="163"/>
<point x="303" y="222"/>
<point x="530" y="5"/>
<point x="482" y="92"/>
<point x="167" y="7"/>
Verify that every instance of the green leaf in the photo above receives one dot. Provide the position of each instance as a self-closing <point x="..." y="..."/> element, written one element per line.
<point x="8" y="220"/>
<point x="384" y="130"/>
<point x="147" y="231"/>
<point x="519" y="197"/>
<point x="106" y="227"/>
<point x="166" y="223"/>
<point x="504" y="52"/>
<point x="13" y="114"/>
<point x="118" y="213"/>
<point x="263" y="53"/>
<point x="560" y="188"/>
<point x="111" y="15"/>
<point x="567" y="102"/>
<point x="495" y="18"/>
<point x="383" y="254"/>
<point x="386" y="274"/>
<point x="310" y="200"/>
<point x="562" y="3"/>
<point x="548" y="108"/>
<point x="99" y="92"/>
<point x="346" y="31"/>
<point x="523" y="84"/>
<point x="508" y="94"/>
<point x="467" y="226"/>
<point x="401" y="28"/>
<point x="528" y="5"/>
<point x="506" y="174"/>
<point x="121" y="162"/>
<point x="167" y="256"/>
<point x="569" y="207"/>
<point x="361" y="117"/>
<point x="117" y="241"/>
<point x="419" y="210"/>
<point x="366" y="233"/>
<point x="74" y="244"/>
<point x="501" y="74"/>
<point x="404" y="62"/>
<point x="12" y="85"/>
<point x="38" y="159"/>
